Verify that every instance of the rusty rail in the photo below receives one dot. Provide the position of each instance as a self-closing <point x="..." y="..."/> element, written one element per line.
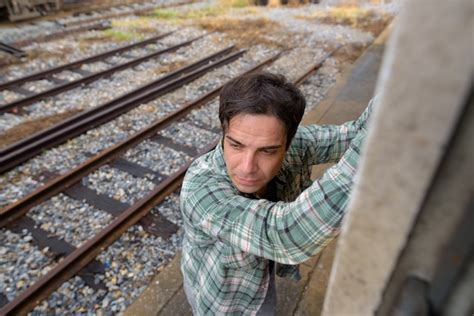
<point x="74" y="64"/>
<point x="62" y="33"/>
<point x="135" y="11"/>
<point x="78" y="259"/>
<point x="81" y="26"/>
<point x="20" y="151"/>
<point x="83" y="255"/>
<point x="10" y="213"/>
<point x="87" y="79"/>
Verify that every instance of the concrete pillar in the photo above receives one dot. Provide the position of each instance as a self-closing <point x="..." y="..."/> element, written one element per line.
<point x="424" y="80"/>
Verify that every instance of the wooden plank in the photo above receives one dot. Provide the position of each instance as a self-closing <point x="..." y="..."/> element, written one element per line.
<point x="137" y="170"/>
<point x="91" y="197"/>
<point x="168" y="142"/>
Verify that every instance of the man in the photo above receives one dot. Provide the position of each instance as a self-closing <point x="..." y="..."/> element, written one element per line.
<point x="249" y="206"/>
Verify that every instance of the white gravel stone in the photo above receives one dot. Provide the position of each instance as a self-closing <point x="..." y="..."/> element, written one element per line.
<point x="118" y="185"/>
<point x="186" y="134"/>
<point x="59" y="215"/>
<point x="130" y="263"/>
<point x="157" y="157"/>
<point x="21" y="262"/>
<point x="7" y="96"/>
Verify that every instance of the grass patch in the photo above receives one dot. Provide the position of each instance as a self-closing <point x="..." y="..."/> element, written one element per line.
<point x="135" y="23"/>
<point x="172" y="15"/>
<point x="217" y="10"/>
<point x="165" y="14"/>
<point x="235" y="3"/>
<point x="122" y="35"/>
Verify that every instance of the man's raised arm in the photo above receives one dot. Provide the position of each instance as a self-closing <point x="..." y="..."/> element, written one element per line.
<point x="327" y="143"/>
<point x="287" y="233"/>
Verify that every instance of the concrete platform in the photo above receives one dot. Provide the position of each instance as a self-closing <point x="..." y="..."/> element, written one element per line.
<point x="346" y="100"/>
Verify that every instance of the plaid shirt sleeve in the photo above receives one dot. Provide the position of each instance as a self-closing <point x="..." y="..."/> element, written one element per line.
<point x="288" y="233"/>
<point x="317" y="144"/>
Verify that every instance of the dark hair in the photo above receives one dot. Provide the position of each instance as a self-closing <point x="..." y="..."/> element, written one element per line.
<point x="263" y="93"/>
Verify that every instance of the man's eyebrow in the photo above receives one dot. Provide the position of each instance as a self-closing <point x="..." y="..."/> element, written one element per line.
<point x="270" y="147"/>
<point x="233" y="140"/>
<point x="260" y="148"/>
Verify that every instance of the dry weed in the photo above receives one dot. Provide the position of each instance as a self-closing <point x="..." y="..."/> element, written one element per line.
<point x="353" y="16"/>
<point x="246" y="32"/>
<point x="26" y="129"/>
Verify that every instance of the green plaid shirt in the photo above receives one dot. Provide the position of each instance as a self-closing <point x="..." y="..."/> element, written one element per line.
<point x="230" y="237"/>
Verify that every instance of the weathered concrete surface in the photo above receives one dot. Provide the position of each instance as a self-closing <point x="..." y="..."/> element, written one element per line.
<point x="426" y="72"/>
<point x="312" y="300"/>
<point x="159" y="293"/>
<point x="444" y="214"/>
<point x="346" y="100"/>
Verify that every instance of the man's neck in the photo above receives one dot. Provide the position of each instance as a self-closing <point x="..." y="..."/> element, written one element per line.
<point x="262" y="192"/>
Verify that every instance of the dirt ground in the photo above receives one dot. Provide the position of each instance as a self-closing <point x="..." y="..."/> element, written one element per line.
<point x="26" y="129"/>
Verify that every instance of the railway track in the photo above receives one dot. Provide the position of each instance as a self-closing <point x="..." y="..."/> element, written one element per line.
<point x="78" y="28"/>
<point x="86" y="20"/>
<point x="81" y="259"/>
<point x="165" y="185"/>
<point x="18" y="152"/>
<point x="141" y="8"/>
<point x="73" y="223"/>
<point x="15" y="49"/>
<point x="86" y="77"/>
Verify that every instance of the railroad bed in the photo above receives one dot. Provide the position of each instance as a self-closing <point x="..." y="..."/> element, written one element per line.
<point x="26" y="33"/>
<point x="91" y="212"/>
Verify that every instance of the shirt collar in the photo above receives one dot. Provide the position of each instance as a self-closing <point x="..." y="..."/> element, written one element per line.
<point x="218" y="161"/>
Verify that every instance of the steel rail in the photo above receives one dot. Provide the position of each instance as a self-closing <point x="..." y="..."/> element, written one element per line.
<point x="139" y="91"/>
<point x="316" y="66"/>
<point x="74" y="262"/>
<point x="133" y="94"/>
<point x="133" y="11"/>
<point x="48" y="72"/>
<point x="59" y="133"/>
<point x="80" y="257"/>
<point x="62" y="33"/>
<point x="12" y="50"/>
<point x="80" y="26"/>
<point x="10" y="213"/>
<point x="89" y="78"/>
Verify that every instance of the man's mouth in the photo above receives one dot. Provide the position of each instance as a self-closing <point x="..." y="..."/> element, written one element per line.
<point x="246" y="181"/>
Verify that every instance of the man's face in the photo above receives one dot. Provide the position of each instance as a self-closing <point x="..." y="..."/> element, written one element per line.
<point x="254" y="148"/>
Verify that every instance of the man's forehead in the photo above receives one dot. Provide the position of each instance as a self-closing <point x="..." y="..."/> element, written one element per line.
<point x="257" y="129"/>
<point x="267" y="120"/>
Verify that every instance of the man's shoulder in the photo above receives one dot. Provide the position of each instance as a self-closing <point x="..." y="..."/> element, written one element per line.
<point x="300" y="141"/>
<point x="205" y="182"/>
<point x="206" y="171"/>
<point x="201" y="169"/>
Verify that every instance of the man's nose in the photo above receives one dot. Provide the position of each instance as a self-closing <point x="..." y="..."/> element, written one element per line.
<point x="249" y="163"/>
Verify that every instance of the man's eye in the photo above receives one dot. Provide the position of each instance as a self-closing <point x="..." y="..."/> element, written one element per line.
<point x="268" y="151"/>
<point x="235" y="146"/>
